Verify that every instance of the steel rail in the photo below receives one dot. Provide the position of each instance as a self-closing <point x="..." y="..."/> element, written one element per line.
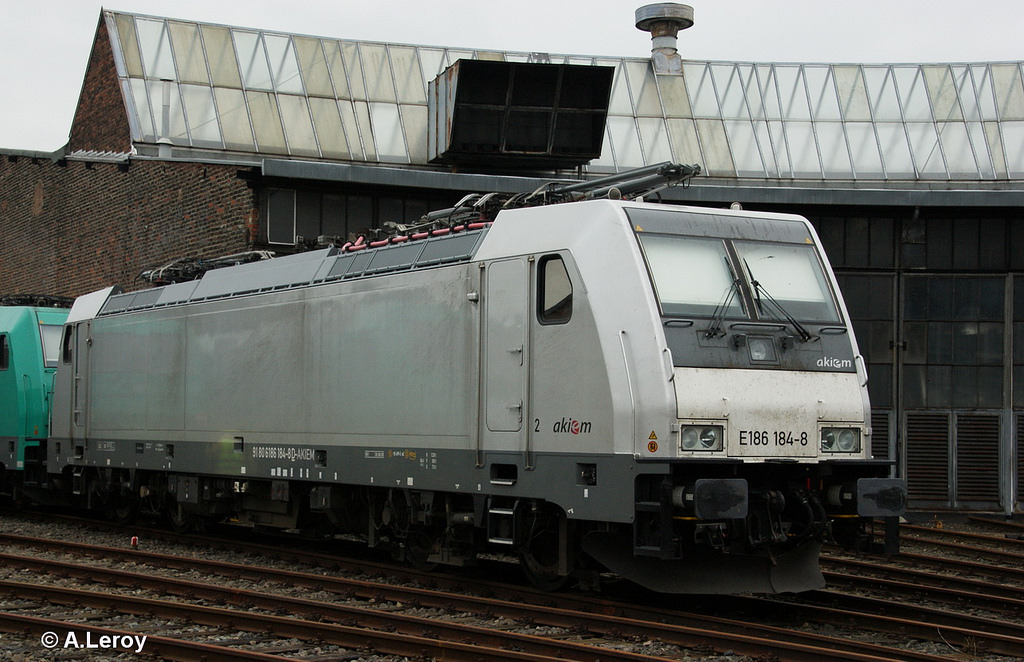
<point x="724" y="634"/>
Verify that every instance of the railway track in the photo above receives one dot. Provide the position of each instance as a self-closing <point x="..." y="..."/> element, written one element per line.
<point x="582" y="618"/>
<point x="507" y="618"/>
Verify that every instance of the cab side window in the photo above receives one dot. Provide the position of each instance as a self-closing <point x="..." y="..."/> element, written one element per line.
<point x="554" y="291"/>
<point x="5" y="360"/>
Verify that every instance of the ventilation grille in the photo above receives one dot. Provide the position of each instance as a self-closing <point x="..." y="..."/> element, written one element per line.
<point x="1020" y="458"/>
<point x="880" y="433"/>
<point x="928" y="457"/>
<point x="977" y="458"/>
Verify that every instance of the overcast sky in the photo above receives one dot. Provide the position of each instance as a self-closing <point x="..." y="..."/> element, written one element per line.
<point x="44" y="44"/>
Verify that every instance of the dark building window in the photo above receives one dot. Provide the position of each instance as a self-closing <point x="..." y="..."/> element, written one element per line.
<point x="953" y="328"/>
<point x="309" y="214"/>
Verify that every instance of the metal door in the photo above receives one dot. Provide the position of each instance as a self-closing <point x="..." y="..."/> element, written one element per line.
<point x="505" y="349"/>
<point x="80" y="382"/>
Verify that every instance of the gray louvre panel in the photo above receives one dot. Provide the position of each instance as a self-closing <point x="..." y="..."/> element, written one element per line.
<point x="177" y="292"/>
<point x="449" y="249"/>
<point x="927" y="457"/>
<point x="394" y="258"/>
<point x="118" y="303"/>
<point x="977" y="458"/>
<point x="264" y="275"/>
<point x="358" y="265"/>
<point x="145" y="299"/>
<point x="341" y="266"/>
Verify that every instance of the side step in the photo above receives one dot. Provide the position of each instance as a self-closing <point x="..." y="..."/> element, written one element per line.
<point x="501" y="520"/>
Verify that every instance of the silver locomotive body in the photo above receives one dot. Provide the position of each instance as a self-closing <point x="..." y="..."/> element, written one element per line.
<point x="674" y="394"/>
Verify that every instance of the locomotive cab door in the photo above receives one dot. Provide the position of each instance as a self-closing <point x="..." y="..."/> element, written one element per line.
<point x="505" y="353"/>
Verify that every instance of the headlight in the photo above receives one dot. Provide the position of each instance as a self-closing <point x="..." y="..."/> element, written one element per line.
<point x="702" y="438"/>
<point x="840" y="440"/>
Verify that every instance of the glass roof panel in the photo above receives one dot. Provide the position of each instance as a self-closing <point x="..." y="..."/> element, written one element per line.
<point x="965" y="93"/>
<point x="330" y="133"/>
<point x="1013" y="138"/>
<point x="732" y="92"/>
<point x="803" y="149"/>
<point x="822" y="90"/>
<point x="266" y="122"/>
<point x="624" y="142"/>
<point x="283" y="64"/>
<point x="892" y="137"/>
<point x="685" y="143"/>
<point x="654" y="137"/>
<point x="336" y="65"/>
<point x="780" y="148"/>
<point x="644" y="89"/>
<point x="387" y="132"/>
<point x="982" y="76"/>
<point x="201" y="114"/>
<point x="167" y="111"/>
<point x="703" y="100"/>
<point x="979" y="139"/>
<point x="234" y="118"/>
<point x="881" y="88"/>
<point x="943" y="93"/>
<point x="763" y="136"/>
<point x="354" y="69"/>
<point x="298" y="126"/>
<point x="717" y="158"/>
<point x="673" y="96"/>
<point x="155" y="46"/>
<point x="253" y="60"/>
<point x="835" y="156"/>
<point x="380" y="86"/>
<point x="927" y="151"/>
<point x="853" y="96"/>
<point x="408" y="77"/>
<point x="140" y="95"/>
<point x="867" y="162"/>
<point x="431" y="59"/>
<point x="745" y="151"/>
<point x="792" y="93"/>
<point x="188" y="53"/>
<point x="220" y="55"/>
<point x="913" y="94"/>
<point x="314" y="67"/>
<point x="958" y="150"/>
<point x="1009" y="92"/>
<point x="129" y="44"/>
<point x="414" y="117"/>
<point x="620" y="102"/>
<point x="769" y="91"/>
<point x="363" y="128"/>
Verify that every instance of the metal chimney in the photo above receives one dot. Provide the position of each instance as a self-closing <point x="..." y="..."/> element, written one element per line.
<point x="664" y="20"/>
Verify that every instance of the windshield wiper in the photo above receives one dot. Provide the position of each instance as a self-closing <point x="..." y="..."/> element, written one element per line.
<point x="759" y="290"/>
<point x="718" y="317"/>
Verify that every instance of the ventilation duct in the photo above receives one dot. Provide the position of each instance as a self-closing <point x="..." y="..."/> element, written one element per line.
<point x="502" y="115"/>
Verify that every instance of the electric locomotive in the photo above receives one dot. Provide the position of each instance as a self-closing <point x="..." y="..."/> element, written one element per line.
<point x="30" y="330"/>
<point x="673" y="394"/>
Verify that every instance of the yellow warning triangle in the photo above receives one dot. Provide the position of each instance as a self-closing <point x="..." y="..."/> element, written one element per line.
<point x="653" y="436"/>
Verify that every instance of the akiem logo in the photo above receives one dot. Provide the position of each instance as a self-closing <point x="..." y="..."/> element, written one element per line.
<point x="829" y="362"/>
<point x="571" y="426"/>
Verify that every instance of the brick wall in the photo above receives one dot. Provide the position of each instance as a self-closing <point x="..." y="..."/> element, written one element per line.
<point x="71" y="227"/>
<point x="101" y="123"/>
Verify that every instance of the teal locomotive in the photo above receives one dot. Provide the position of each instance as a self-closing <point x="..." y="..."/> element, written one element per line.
<point x="30" y="331"/>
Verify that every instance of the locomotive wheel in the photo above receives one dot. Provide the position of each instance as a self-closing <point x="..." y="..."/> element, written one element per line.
<point x="540" y="557"/>
<point x="122" y="511"/>
<point x="418" y="547"/>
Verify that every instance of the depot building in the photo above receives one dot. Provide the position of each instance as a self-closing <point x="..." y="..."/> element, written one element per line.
<point x="193" y="140"/>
